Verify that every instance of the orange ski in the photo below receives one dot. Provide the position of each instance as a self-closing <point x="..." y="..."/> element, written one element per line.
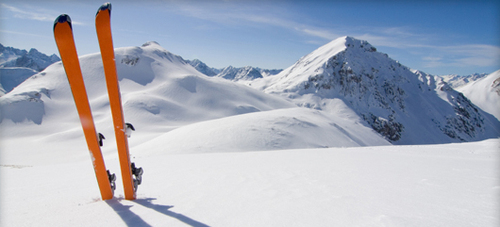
<point x="103" y="28"/>
<point x="63" y="34"/>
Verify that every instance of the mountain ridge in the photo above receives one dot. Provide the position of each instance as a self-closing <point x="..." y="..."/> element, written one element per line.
<point x="18" y="65"/>
<point x="242" y="74"/>
<point x="33" y="59"/>
<point x="390" y="97"/>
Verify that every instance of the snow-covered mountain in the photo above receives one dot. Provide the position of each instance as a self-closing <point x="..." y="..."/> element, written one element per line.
<point x="403" y="106"/>
<point x="236" y="74"/>
<point x="160" y="93"/>
<point x="12" y="57"/>
<point x="203" y="68"/>
<point x="18" y="65"/>
<point x="456" y="81"/>
<point x="485" y="93"/>
<point x="243" y="74"/>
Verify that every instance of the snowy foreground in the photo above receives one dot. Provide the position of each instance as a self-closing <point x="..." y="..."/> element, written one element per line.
<point x="425" y="185"/>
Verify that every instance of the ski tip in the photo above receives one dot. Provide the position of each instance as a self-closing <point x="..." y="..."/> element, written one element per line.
<point x="105" y="6"/>
<point x="63" y="18"/>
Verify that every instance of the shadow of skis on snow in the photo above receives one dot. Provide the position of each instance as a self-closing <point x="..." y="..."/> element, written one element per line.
<point x="129" y="217"/>
<point x="165" y="210"/>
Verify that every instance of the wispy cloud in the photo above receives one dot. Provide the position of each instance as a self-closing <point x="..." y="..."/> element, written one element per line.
<point x="251" y="16"/>
<point x="463" y="56"/>
<point x="431" y="49"/>
<point x="434" y="51"/>
<point x="23" y="33"/>
<point x="38" y="14"/>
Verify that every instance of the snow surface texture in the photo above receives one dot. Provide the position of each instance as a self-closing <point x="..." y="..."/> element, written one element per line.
<point x="425" y="185"/>
<point x="485" y="93"/>
<point x="405" y="107"/>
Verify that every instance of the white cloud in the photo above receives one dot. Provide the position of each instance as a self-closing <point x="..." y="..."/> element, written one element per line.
<point x="23" y="33"/>
<point x="251" y="16"/>
<point x="38" y="14"/>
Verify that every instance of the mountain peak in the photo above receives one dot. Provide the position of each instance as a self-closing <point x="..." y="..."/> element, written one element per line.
<point x="316" y="62"/>
<point x="385" y="94"/>
<point x="151" y="43"/>
<point x="340" y="44"/>
<point x="351" y="42"/>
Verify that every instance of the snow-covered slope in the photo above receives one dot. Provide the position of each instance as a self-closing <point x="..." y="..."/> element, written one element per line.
<point x="485" y="93"/>
<point x="403" y="106"/>
<point x="10" y="77"/>
<point x="270" y="130"/>
<point x="157" y="86"/>
<point x="161" y="92"/>
<point x="431" y="185"/>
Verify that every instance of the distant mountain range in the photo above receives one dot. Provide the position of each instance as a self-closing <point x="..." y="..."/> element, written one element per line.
<point x="246" y="73"/>
<point x="12" y="57"/>
<point x="456" y="81"/>
<point x="17" y="65"/>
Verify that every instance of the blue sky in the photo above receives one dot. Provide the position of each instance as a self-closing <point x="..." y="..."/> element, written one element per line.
<point x="437" y="37"/>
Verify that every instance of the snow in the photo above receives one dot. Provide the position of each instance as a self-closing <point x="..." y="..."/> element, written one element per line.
<point x="269" y="130"/>
<point x="218" y="153"/>
<point x="425" y="185"/>
<point x="485" y="93"/>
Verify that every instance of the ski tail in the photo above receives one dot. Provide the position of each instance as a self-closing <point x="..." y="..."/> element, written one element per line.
<point x="103" y="29"/>
<point x="63" y="34"/>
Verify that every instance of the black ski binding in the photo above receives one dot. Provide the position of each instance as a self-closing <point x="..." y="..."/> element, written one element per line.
<point x="128" y="129"/>
<point x="130" y="126"/>
<point x="101" y="137"/>
<point x="137" y="172"/>
<point x="112" y="179"/>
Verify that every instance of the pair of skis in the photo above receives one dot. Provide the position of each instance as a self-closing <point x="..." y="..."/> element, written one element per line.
<point x="63" y="34"/>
